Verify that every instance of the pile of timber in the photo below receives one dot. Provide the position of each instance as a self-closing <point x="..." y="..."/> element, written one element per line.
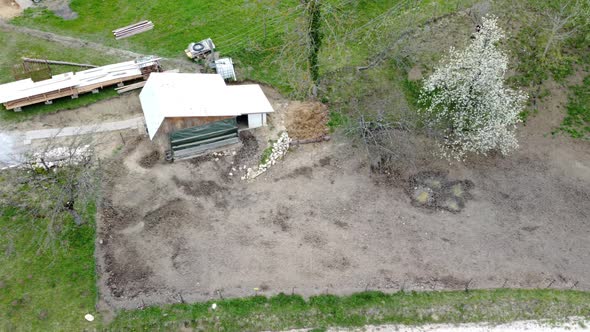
<point x="133" y="29"/>
<point x="130" y="87"/>
<point x="54" y="62"/>
<point x="25" y="92"/>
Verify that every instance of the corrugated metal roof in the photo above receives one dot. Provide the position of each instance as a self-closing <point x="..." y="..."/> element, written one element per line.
<point x="169" y="95"/>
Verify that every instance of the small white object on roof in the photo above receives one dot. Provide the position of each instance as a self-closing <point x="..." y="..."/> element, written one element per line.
<point x="169" y="95"/>
<point x="89" y="317"/>
<point x="225" y="68"/>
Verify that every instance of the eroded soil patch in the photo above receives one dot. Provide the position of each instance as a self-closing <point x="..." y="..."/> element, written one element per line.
<point x="434" y="190"/>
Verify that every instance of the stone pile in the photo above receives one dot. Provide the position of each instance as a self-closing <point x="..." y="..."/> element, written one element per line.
<point x="59" y="157"/>
<point x="279" y="150"/>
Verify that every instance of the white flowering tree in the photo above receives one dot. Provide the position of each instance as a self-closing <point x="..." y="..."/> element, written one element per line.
<point x="466" y="104"/>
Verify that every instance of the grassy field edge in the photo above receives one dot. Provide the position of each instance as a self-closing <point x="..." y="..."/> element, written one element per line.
<point x="372" y="307"/>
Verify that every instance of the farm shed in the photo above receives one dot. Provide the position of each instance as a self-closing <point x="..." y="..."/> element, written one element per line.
<point x="193" y="113"/>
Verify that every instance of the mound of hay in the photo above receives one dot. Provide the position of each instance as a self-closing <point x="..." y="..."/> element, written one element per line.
<point x="307" y="120"/>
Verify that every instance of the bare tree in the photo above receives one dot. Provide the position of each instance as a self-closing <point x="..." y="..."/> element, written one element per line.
<point x="564" y="22"/>
<point x="60" y="177"/>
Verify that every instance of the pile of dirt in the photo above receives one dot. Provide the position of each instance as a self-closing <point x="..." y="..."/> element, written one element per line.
<point x="248" y="150"/>
<point x="434" y="190"/>
<point x="115" y="217"/>
<point x="150" y="159"/>
<point x="307" y="120"/>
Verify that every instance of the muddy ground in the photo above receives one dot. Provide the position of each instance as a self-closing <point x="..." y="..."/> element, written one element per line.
<point x="320" y="221"/>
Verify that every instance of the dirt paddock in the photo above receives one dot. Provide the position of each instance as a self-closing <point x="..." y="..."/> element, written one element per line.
<point x="320" y="222"/>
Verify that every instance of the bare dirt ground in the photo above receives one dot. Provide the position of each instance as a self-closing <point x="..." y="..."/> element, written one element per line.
<point x="321" y="221"/>
<point x="125" y="106"/>
<point x="61" y="8"/>
<point x="9" y="9"/>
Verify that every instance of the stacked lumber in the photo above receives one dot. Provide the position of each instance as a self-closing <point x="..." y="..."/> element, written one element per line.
<point x="54" y="62"/>
<point x="15" y="95"/>
<point x="130" y="87"/>
<point x="133" y="29"/>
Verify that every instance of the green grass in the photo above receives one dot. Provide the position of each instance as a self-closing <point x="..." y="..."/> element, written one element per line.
<point x="266" y="153"/>
<point x="286" y="312"/>
<point x="253" y="33"/>
<point x="17" y="45"/>
<point x="45" y="289"/>
<point x="58" y="105"/>
<point x="337" y="120"/>
<point x="577" y="120"/>
<point x="236" y="27"/>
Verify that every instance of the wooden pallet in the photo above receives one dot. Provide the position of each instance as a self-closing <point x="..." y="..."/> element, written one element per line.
<point x="41" y="98"/>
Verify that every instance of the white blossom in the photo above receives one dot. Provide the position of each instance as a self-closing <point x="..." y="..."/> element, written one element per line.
<point x="466" y="101"/>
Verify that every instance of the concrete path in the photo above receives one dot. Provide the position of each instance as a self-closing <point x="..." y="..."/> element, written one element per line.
<point x="137" y="122"/>
<point x="572" y="324"/>
<point x="13" y="144"/>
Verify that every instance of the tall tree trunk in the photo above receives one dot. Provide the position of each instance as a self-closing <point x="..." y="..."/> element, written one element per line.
<point x="314" y="17"/>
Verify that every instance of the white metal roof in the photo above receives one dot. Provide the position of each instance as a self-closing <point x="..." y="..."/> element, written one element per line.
<point x="27" y="88"/>
<point x="169" y="95"/>
<point x="249" y="99"/>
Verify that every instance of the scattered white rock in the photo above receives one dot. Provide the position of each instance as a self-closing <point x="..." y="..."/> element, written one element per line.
<point x="231" y="174"/>
<point x="60" y="156"/>
<point x="279" y="150"/>
<point x="89" y="317"/>
<point x="214" y="306"/>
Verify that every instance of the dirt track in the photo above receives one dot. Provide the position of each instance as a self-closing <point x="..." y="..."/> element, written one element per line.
<point x="72" y="42"/>
<point x="321" y="222"/>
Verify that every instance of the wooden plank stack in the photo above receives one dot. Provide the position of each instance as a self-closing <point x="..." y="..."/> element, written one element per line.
<point x="133" y="29"/>
<point x="130" y="87"/>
